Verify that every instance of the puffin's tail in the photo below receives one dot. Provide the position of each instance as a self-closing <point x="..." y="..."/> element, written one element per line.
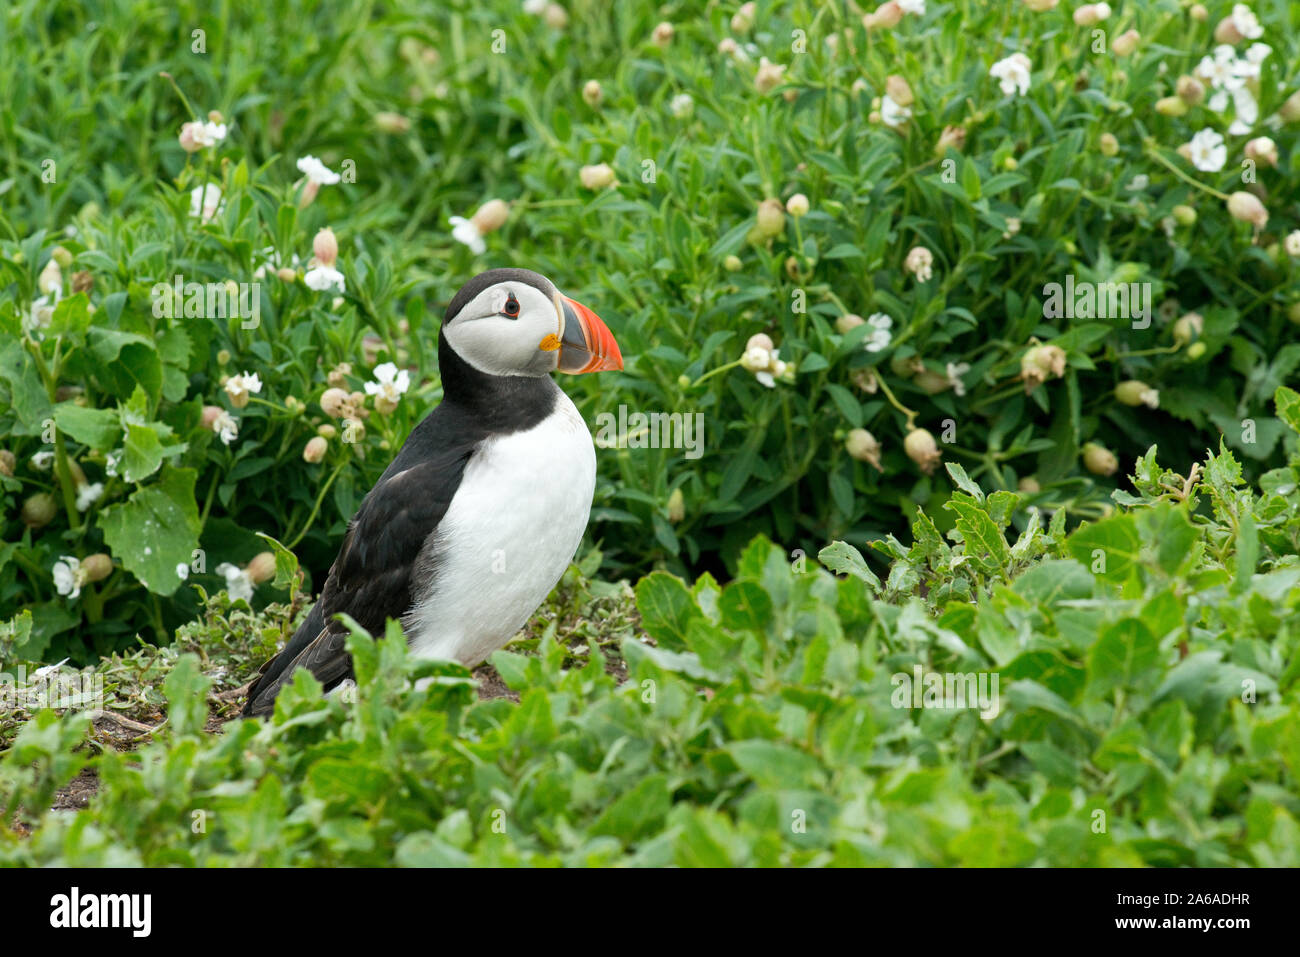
<point x="309" y="648"/>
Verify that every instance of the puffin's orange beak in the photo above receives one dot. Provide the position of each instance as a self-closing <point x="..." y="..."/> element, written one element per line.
<point x="586" y="344"/>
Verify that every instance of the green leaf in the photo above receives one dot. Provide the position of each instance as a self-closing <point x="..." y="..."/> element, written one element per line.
<point x="1125" y="656"/>
<point x="986" y="549"/>
<point x="97" y="429"/>
<point x="286" y="562"/>
<point x="1108" y="548"/>
<point x="843" y="559"/>
<point x="156" y="530"/>
<point x="666" y="608"/>
<point x="963" y="481"/>
<point x="1287" y="402"/>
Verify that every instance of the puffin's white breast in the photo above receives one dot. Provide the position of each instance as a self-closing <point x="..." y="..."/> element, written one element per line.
<point x="511" y="530"/>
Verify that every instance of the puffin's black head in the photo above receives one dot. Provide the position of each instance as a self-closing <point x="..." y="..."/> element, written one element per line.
<point x="514" y="322"/>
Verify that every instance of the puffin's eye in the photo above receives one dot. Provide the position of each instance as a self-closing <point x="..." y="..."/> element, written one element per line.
<point x="511" y="308"/>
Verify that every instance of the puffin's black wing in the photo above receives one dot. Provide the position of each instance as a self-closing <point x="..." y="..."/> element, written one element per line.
<point x="371" y="579"/>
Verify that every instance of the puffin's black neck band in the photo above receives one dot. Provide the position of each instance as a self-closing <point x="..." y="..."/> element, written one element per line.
<point x="497" y="403"/>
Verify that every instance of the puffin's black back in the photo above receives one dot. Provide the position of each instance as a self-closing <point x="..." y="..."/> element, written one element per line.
<point x="371" y="579"/>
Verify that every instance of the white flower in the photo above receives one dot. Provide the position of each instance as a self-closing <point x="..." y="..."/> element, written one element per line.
<point x="226" y="426"/>
<point x="682" y="105"/>
<point x="240" y="387"/>
<point x="1208" y="152"/>
<point x="238" y="584"/>
<point x="1246" y="110"/>
<point x="1220" y="70"/>
<point x="1150" y="398"/>
<point x="88" y="495"/>
<point x="68" y="576"/>
<point x="1257" y="53"/>
<point x="182" y="571"/>
<point x="324" y="278"/>
<point x="205" y="202"/>
<point x="42" y="461"/>
<point x="536" y="7"/>
<point x="1245" y="22"/>
<point x="464" y="231"/>
<point x="42" y="312"/>
<point x="1139" y="182"/>
<point x="389" y="384"/>
<point x="880" y="337"/>
<point x="112" y="460"/>
<point x="756" y="359"/>
<point x="1012" y="74"/>
<point x="893" y="114"/>
<point x="766" y="376"/>
<point x="44" y="671"/>
<point x="317" y="172"/>
<point x="955" y="371"/>
<point x="209" y="133"/>
<point x="1292" y="243"/>
<point x="916" y="7"/>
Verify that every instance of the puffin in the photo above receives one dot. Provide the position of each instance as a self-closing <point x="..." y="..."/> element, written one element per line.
<point x="483" y="508"/>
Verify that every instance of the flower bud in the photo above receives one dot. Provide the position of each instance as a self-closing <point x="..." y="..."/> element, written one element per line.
<point x="388" y="122"/>
<point x="1099" y="460"/>
<point x="732" y="264"/>
<point x="491" y="215"/>
<point x="886" y="16"/>
<point x="1126" y="42"/>
<point x="1247" y="207"/>
<point x="1108" y="145"/>
<point x="1199" y="13"/>
<point x="8" y="462"/>
<point x="743" y="19"/>
<point x="315" y="449"/>
<point x="1227" y="32"/>
<point x="1132" y="392"/>
<point x="210" y="415"/>
<point x="1189" y="327"/>
<point x="848" y="322"/>
<point x="1029" y="485"/>
<point x="50" y="281"/>
<point x="61" y="256"/>
<point x="325" y="247"/>
<point x="676" y="506"/>
<point x="663" y="34"/>
<point x="921" y="449"/>
<point x="1184" y="215"/>
<point x="592" y="94"/>
<point x="952" y="137"/>
<point x="865" y="379"/>
<point x="797" y="205"/>
<point x="1090" y="14"/>
<point x="335" y="403"/>
<point x="771" y="218"/>
<point x="556" y="17"/>
<point x="1289" y="111"/>
<point x="769" y="77"/>
<point x="96" y="567"/>
<point x="1190" y="90"/>
<point x="896" y="89"/>
<point x="1171" y="106"/>
<point x="261" y="568"/>
<point x="1041" y="6"/>
<point x="39" y="510"/>
<point x="760" y="340"/>
<point x="862" y="445"/>
<point x="1262" y="149"/>
<point x="189" y="137"/>
<point x="1195" y="351"/>
<point x="596" y="177"/>
<point x="1293" y="313"/>
<point x="286" y="274"/>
